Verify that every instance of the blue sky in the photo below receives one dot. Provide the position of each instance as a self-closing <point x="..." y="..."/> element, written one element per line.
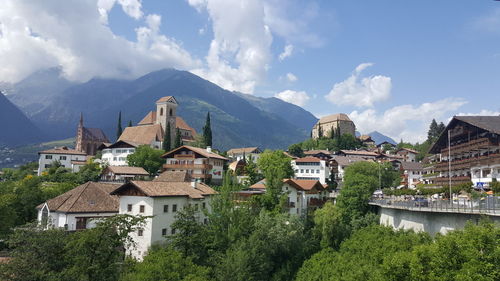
<point x="391" y="65"/>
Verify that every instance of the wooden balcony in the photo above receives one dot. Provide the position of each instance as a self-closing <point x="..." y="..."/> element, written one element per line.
<point x="491" y="159"/>
<point x="469" y="146"/>
<point x="184" y="156"/>
<point x="188" y="166"/>
<point x="444" y="181"/>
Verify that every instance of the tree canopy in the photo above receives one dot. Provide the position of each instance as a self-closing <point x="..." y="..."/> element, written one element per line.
<point x="147" y="158"/>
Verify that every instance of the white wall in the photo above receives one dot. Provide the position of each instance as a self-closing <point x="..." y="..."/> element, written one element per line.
<point x="319" y="172"/>
<point x="59" y="219"/>
<point x="64" y="159"/>
<point x="116" y="156"/>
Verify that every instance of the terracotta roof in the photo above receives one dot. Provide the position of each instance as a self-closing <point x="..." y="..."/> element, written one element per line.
<point x="290" y="155"/>
<point x="120" y="143"/>
<point x="313" y="152"/>
<point x="304" y="184"/>
<point x="62" y="150"/>
<point x="142" y="134"/>
<point x="234" y="165"/>
<point x="125" y="170"/>
<point x="413" y="166"/>
<point x="173" y="176"/>
<point x="149" y="119"/>
<point x="96" y="134"/>
<point x="345" y="161"/>
<point x="359" y="152"/>
<point x="259" y="185"/>
<point x="334" y="117"/>
<point x="307" y="159"/>
<point x="165" y="189"/>
<point x="90" y="197"/>
<point x="407" y="149"/>
<point x="167" y="98"/>
<point x="198" y="150"/>
<point x="233" y="151"/>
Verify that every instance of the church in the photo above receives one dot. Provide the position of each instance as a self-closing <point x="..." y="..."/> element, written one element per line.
<point x="89" y="139"/>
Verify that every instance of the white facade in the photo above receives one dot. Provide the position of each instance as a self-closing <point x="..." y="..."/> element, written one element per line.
<point x="69" y="221"/>
<point x="311" y="170"/>
<point x="482" y="176"/>
<point x="413" y="177"/>
<point x="239" y="156"/>
<point x="46" y="159"/>
<point x="116" y="156"/>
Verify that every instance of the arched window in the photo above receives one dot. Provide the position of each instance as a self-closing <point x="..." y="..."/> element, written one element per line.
<point x="170" y="112"/>
<point x="45" y="215"/>
<point x="161" y="111"/>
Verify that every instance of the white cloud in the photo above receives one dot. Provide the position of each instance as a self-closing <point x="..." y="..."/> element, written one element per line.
<point x="488" y="23"/>
<point x="72" y="35"/>
<point x="291" y="77"/>
<point x="407" y="122"/>
<point x="286" y="52"/>
<point x="299" y="98"/>
<point x="132" y="8"/>
<point x="362" y="92"/>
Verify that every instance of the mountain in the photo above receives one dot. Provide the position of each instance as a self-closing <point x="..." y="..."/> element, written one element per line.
<point x="380" y="138"/>
<point x="237" y="119"/>
<point x="15" y="127"/>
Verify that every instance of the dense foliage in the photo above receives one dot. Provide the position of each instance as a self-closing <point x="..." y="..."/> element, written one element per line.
<point x="332" y="142"/>
<point x="147" y="158"/>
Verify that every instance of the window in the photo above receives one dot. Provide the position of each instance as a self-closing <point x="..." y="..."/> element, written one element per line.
<point x="114" y="158"/>
<point x="196" y="207"/>
<point x="307" y="171"/>
<point x="172" y="231"/>
<point x="164" y="232"/>
<point x="302" y="170"/>
<point x="165" y="208"/>
<point x="141" y="209"/>
<point x="317" y="171"/>
<point x="161" y="111"/>
<point x="48" y="156"/>
<point x="205" y="221"/>
<point x="140" y="232"/>
<point x="204" y="205"/>
<point x="129" y="208"/>
<point x="62" y="157"/>
<point x="174" y="208"/>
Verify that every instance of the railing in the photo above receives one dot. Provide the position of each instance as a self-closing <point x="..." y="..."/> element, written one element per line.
<point x="188" y="166"/>
<point x="493" y="158"/>
<point x="478" y="143"/>
<point x="184" y="156"/>
<point x="486" y="205"/>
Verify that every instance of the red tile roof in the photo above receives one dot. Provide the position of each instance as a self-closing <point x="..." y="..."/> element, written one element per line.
<point x="307" y="159"/>
<point x="62" y="150"/>
<point x="167" y="189"/>
<point x="201" y="151"/>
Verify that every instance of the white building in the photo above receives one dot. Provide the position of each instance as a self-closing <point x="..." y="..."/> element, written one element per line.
<point x="116" y="154"/>
<point x="311" y="168"/>
<point x="237" y="154"/>
<point x="409" y="155"/>
<point x="161" y="200"/>
<point x="199" y="163"/>
<point x="412" y="174"/>
<point x="80" y="207"/>
<point x="69" y="158"/>
<point x="482" y="176"/>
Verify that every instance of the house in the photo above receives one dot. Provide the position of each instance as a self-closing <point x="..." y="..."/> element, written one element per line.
<point x="321" y="154"/>
<point x="367" y="140"/>
<point x="116" y="154"/>
<point x="201" y="164"/>
<point x="303" y="195"/>
<point x="80" y="207"/>
<point x="358" y="153"/>
<point x="311" y="168"/>
<point x="244" y="152"/>
<point x="474" y="146"/>
<point x="338" y="165"/>
<point x="69" y="158"/>
<point x="386" y="144"/>
<point x="338" y="123"/>
<point x="412" y="174"/>
<point x="89" y="139"/>
<point x="160" y="200"/>
<point x="123" y="173"/>
<point x="409" y="155"/>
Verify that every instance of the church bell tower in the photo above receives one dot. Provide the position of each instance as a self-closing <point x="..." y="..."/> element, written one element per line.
<point x="166" y="112"/>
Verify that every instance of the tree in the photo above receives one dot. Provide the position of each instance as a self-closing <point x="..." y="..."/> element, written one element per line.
<point x="147" y="158"/>
<point x="296" y="150"/>
<point x="167" y="139"/>
<point x="320" y="131"/>
<point x="275" y="167"/>
<point x="252" y="171"/>
<point x="207" y="131"/>
<point x="129" y="123"/>
<point x="178" y="138"/>
<point x="119" y="129"/>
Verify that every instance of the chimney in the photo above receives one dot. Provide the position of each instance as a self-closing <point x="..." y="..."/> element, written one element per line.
<point x="209" y="149"/>
<point x="193" y="183"/>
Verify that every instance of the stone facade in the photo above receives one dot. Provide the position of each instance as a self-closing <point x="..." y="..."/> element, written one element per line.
<point x="334" y="122"/>
<point x="89" y="139"/>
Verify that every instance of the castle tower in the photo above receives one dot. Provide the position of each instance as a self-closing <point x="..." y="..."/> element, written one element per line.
<point x="166" y="112"/>
<point x="79" y="135"/>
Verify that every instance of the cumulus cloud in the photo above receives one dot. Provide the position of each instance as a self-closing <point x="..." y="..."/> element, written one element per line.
<point x="407" y="122"/>
<point x="299" y="98"/>
<point x="361" y="91"/>
<point x="291" y="77"/>
<point x="286" y="52"/>
<point x="73" y="36"/>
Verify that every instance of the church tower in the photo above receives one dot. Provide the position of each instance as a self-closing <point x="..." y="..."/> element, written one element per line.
<point x="166" y="112"/>
<point x="79" y="135"/>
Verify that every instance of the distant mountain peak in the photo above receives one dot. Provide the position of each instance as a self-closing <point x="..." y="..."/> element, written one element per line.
<point x="378" y="138"/>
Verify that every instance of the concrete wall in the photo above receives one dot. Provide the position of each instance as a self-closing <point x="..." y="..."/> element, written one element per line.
<point x="430" y="222"/>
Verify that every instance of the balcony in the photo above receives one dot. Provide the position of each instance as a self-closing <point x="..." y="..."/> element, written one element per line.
<point x="184" y="156"/>
<point x="469" y="162"/>
<point x="188" y="166"/>
<point x="468" y="146"/>
<point x="454" y="180"/>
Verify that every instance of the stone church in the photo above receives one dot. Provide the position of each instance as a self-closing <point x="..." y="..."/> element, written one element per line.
<point x="339" y="121"/>
<point x="89" y="139"/>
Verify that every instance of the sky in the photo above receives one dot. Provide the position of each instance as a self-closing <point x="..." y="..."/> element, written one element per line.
<point x="391" y="65"/>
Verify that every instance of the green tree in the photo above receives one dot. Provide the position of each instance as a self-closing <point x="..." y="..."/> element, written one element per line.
<point x="320" y="131"/>
<point x="190" y="234"/>
<point x="147" y="158"/>
<point x="178" y="138"/>
<point x="296" y="150"/>
<point x="275" y="167"/>
<point x="167" y="139"/>
<point x="252" y="171"/>
<point x="207" y="131"/>
<point x="119" y="129"/>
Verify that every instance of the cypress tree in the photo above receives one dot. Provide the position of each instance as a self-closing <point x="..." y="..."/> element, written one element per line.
<point x="167" y="140"/>
<point x="178" y="139"/>
<point x="129" y="123"/>
<point x="119" y="129"/>
<point x="207" y="132"/>
<point x="320" y="131"/>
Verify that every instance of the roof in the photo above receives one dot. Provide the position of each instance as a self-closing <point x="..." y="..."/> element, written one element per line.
<point x="307" y="159"/>
<point x="167" y="99"/>
<point x="121" y="143"/>
<point x="167" y="189"/>
<point x="313" y="152"/>
<point x="407" y="149"/>
<point x="290" y="155"/>
<point x="142" y="134"/>
<point x="412" y="166"/>
<point x="181" y="124"/>
<point x="259" y="185"/>
<point x="359" y="152"/>
<point x="126" y="170"/>
<point x="334" y="117"/>
<point x="173" y="176"/>
<point x="345" y="161"/>
<point x="96" y="134"/>
<point x="243" y="150"/>
<point x="201" y="151"/>
<point x="62" y="150"/>
<point x="304" y="184"/>
<point x="149" y="119"/>
<point x="386" y="142"/>
<point x="234" y="165"/>
<point x="90" y="197"/>
<point x="78" y="162"/>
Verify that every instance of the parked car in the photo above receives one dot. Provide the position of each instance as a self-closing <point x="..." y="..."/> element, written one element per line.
<point x="421" y="202"/>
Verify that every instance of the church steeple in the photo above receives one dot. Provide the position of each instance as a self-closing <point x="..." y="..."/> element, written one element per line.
<point x="79" y="135"/>
<point x="80" y="125"/>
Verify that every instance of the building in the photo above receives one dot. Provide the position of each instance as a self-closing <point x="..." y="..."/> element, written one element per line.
<point x="471" y="153"/>
<point x="116" y="154"/>
<point x="358" y="153"/>
<point x="367" y="140"/>
<point x="123" y="173"/>
<point x="321" y="154"/>
<point x="245" y="152"/>
<point x="80" y="207"/>
<point x="89" y="139"/>
<point x="199" y="163"/>
<point x="160" y="200"/>
<point x="412" y="174"/>
<point x="68" y="158"/>
<point x="338" y="164"/>
<point x="409" y="155"/>
<point x="311" y="168"/>
<point x="337" y="122"/>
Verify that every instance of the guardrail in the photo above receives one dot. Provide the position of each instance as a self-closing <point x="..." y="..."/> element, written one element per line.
<point x="486" y="205"/>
